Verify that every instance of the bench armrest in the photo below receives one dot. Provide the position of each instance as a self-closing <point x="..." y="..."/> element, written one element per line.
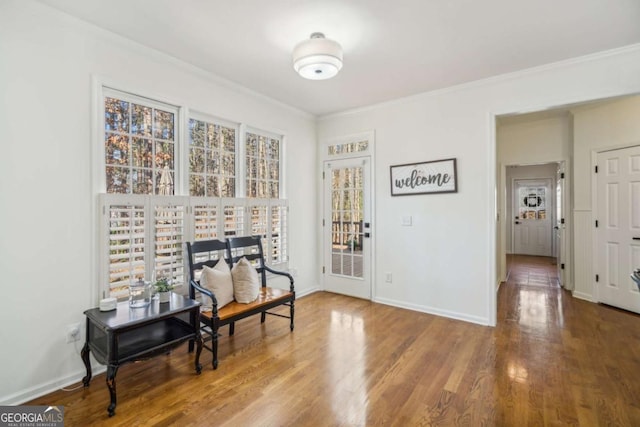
<point x="282" y="273"/>
<point x="208" y="293"/>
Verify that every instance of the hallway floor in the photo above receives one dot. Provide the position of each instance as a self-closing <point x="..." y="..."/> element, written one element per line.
<point x="532" y="271"/>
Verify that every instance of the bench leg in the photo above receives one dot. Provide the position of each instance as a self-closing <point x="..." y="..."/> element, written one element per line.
<point x="263" y="317"/>
<point x="291" y="311"/>
<point x="232" y="328"/>
<point x="214" y="344"/>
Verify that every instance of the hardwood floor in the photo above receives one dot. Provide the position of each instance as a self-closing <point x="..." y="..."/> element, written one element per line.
<point x="552" y="360"/>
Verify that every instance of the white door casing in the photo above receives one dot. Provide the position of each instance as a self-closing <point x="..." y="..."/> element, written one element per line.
<point x="533" y="208"/>
<point x="559" y="229"/>
<point x="618" y="227"/>
<point x="347" y="225"/>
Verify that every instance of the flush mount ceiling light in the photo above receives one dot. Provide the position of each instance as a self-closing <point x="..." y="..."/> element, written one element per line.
<point x="318" y="58"/>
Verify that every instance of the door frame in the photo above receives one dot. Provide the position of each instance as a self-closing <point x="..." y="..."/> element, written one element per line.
<point x="500" y="244"/>
<point x="323" y="156"/>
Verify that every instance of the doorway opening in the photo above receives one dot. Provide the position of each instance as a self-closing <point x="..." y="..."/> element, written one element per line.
<point x="534" y="206"/>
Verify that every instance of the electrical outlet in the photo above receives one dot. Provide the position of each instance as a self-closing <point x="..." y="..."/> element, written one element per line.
<point x="388" y="277"/>
<point x="73" y="332"/>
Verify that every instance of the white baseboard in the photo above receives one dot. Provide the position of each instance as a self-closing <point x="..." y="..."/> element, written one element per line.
<point x="306" y="292"/>
<point x="431" y="310"/>
<point x="583" y="296"/>
<point x="45" y="388"/>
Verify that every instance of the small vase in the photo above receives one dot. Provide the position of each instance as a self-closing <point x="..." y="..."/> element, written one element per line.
<point x="164" y="297"/>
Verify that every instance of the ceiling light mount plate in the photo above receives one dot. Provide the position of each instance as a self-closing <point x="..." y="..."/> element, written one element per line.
<point x="317" y="58"/>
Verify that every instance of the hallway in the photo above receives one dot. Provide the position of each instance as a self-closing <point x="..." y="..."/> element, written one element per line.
<point x="532" y="271"/>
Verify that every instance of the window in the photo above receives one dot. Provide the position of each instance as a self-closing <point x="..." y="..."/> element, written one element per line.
<point x="212" y="159"/>
<point x="348" y="147"/>
<point x="262" y="161"/>
<point x="146" y="215"/>
<point x="139" y="146"/>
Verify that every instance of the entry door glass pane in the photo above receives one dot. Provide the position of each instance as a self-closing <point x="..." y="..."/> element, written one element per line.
<point x="347" y="211"/>
<point x="533" y="202"/>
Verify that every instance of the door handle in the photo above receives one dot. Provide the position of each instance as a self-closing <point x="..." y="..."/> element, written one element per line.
<point x="636" y="238"/>
<point x="517" y="222"/>
<point x="556" y="228"/>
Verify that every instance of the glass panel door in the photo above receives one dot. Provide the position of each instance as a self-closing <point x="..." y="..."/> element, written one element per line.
<point x="347" y="227"/>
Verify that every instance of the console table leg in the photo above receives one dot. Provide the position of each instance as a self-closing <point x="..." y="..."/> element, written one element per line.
<point x="111" y="383"/>
<point x="87" y="363"/>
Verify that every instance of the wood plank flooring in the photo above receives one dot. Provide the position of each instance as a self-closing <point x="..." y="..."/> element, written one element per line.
<point x="552" y="360"/>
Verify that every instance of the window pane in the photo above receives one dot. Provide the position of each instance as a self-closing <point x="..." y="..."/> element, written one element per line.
<point x="142" y="181"/>
<point x="141" y="120"/>
<point x="196" y="160"/>
<point x="164" y="155"/>
<point x="214" y="161"/>
<point x="116" y="149"/>
<point x="163" y="126"/>
<point x="142" y="153"/>
<point x="116" y="115"/>
<point x="118" y="180"/>
<point x="196" y="185"/>
<point x="196" y="133"/>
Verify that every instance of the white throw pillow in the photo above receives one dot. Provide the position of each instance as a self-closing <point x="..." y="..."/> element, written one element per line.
<point x="246" y="283"/>
<point x="218" y="280"/>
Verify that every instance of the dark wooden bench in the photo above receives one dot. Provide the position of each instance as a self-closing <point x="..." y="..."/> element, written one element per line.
<point x="208" y="253"/>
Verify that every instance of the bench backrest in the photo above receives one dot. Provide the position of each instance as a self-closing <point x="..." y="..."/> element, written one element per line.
<point x="249" y="247"/>
<point x="206" y="252"/>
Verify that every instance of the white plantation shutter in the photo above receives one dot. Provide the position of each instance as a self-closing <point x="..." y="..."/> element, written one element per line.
<point x="205" y="218"/>
<point x="233" y="218"/>
<point x="278" y="250"/>
<point x="168" y="233"/>
<point x="144" y="235"/>
<point x="124" y="240"/>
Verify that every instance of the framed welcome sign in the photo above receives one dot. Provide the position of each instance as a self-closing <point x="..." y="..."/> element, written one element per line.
<point x="437" y="176"/>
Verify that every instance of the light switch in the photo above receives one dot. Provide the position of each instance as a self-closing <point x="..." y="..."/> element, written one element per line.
<point x="407" y="220"/>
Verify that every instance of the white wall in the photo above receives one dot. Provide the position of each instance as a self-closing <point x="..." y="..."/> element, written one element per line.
<point x="446" y="263"/>
<point x="47" y="60"/>
<point x="596" y="128"/>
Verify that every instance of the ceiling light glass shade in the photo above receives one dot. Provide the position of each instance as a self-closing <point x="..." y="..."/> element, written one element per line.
<point x="318" y="58"/>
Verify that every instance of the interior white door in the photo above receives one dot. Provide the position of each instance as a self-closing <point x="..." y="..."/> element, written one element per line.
<point x="559" y="229"/>
<point x="347" y="227"/>
<point x="618" y="232"/>
<point x="532" y="225"/>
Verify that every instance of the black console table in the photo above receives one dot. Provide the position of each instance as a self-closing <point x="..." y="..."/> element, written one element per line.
<point x="129" y="334"/>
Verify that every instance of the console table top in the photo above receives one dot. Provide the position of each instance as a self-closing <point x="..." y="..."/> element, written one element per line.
<point x="126" y="316"/>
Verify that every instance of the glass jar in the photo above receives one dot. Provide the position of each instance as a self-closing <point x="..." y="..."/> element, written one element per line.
<point x="139" y="294"/>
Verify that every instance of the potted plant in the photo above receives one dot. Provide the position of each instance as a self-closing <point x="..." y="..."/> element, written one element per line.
<point x="163" y="287"/>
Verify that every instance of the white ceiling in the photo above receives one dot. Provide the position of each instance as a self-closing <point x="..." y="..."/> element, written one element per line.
<point x="391" y="48"/>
